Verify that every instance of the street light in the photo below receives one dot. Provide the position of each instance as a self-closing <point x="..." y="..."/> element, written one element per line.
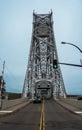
<point x="72" y="45"/>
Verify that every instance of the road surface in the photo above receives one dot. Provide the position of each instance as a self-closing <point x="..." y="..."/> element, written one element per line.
<point x="58" y="118"/>
<point x="28" y="118"/>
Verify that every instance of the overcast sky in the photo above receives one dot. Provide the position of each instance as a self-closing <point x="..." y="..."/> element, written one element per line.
<point x="16" y="17"/>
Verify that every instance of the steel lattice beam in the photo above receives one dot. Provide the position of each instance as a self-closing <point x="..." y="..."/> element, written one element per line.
<point x="40" y="76"/>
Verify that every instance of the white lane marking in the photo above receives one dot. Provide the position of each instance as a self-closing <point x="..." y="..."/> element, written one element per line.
<point x="78" y="112"/>
<point x="5" y="111"/>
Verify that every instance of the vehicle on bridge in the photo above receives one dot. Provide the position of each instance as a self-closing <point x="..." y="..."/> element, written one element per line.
<point x="37" y="99"/>
<point x="79" y="97"/>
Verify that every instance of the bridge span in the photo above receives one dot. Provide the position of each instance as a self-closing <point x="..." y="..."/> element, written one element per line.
<point x="41" y="76"/>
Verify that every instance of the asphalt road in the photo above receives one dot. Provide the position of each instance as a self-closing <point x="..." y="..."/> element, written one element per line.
<point x="28" y="118"/>
<point x="58" y="118"/>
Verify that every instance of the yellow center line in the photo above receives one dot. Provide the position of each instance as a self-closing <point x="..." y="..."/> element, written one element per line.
<point x="42" y="118"/>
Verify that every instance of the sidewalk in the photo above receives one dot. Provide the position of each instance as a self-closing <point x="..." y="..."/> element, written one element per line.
<point x="13" y="109"/>
<point x="69" y="107"/>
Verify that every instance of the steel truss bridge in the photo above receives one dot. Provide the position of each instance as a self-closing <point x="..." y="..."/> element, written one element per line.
<point x="41" y="78"/>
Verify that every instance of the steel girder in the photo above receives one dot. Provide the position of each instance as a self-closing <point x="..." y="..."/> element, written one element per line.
<point x="40" y="74"/>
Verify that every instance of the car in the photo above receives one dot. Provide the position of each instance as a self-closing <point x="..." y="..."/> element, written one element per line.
<point x="79" y="98"/>
<point x="37" y="99"/>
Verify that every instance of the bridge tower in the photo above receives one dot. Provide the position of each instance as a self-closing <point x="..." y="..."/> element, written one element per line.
<point x="41" y="78"/>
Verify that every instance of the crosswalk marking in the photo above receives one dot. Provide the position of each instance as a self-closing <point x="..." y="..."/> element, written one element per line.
<point x="78" y="112"/>
<point x="3" y="111"/>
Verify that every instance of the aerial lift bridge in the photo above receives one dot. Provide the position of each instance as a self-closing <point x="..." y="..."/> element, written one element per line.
<point x="41" y="79"/>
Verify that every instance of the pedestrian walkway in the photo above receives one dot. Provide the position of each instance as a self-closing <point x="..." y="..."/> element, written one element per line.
<point x="13" y="109"/>
<point x="70" y="107"/>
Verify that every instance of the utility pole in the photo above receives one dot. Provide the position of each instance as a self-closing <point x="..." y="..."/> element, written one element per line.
<point x="81" y="61"/>
<point x="3" y="69"/>
<point x="1" y="84"/>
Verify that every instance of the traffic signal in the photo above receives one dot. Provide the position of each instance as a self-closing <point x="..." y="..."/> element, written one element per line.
<point x="55" y="64"/>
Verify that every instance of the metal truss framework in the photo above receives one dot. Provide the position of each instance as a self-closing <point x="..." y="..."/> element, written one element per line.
<point x="40" y="76"/>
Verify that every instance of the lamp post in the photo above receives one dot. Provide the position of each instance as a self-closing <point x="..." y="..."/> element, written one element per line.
<point x="72" y="45"/>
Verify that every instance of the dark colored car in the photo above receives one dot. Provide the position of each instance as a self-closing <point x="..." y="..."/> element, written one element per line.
<point x="79" y="98"/>
<point x="37" y="99"/>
